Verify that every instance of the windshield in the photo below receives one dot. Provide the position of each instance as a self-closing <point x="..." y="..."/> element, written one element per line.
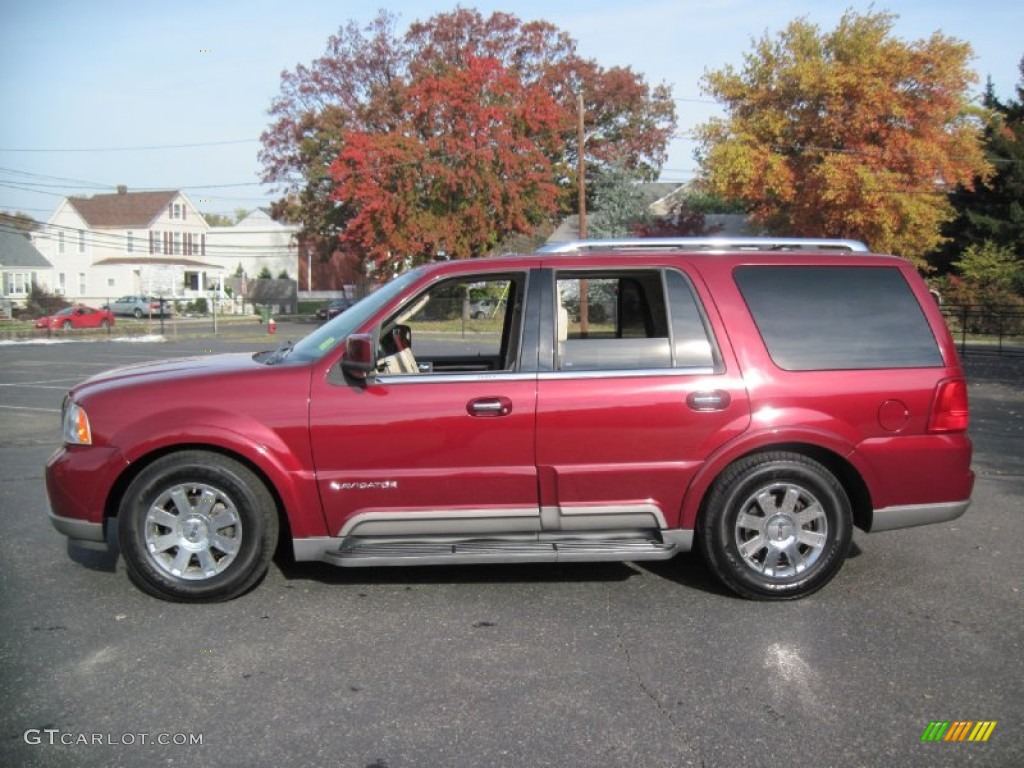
<point x="329" y="335"/>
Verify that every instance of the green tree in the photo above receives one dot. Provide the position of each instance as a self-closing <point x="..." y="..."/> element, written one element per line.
<point x="218" y="220"/>
<point x="993" y="212"/>
<point x="619" y="207"/>
<point x="265" y="274"/>
<point x="849" y="133"/>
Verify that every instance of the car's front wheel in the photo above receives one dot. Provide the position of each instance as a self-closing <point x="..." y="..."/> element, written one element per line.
<point x="776" y="526"/>
<point x="197" y="526"/>
<point x="138" y="313"/>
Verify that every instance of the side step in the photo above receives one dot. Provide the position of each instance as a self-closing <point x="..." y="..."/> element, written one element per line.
<point x="368" y="552"/>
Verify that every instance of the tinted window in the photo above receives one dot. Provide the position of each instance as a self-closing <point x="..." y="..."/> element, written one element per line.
<point x="822" y="318"/>
<point x="621" y="321"/>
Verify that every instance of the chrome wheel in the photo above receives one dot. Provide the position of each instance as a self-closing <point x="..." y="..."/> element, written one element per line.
<point x="196" y="525"/>
<point x="193" y="531"/>
<point x="781" y="530"/>
<point x="776" y="526"/>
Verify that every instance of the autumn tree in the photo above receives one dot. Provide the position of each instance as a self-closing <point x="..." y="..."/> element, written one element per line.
<point x="466" y="164"/>
<point x="850" y="133"/>
<point x="18" y="222"/>
<point x="453" y="134"/>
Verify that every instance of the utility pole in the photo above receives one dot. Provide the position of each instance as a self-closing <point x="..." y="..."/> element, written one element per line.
<point x="581" y="173"/>
<point x="581" y="167"/>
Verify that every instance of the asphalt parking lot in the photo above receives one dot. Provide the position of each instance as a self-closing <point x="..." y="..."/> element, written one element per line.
<point x="570" y="665"/>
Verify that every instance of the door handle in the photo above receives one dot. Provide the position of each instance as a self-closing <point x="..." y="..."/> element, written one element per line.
<point x="709" y="400"/>
<point x="489" y="406"/>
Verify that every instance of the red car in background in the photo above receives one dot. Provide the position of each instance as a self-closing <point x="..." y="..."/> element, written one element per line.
<point x="79" y="316"/>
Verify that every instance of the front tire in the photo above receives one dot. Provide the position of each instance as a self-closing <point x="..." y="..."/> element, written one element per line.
<point x="197" y="526"/>
<point x="776" y="526"/>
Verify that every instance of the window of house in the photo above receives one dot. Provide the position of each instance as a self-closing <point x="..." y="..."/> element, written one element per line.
<point x="154" y="239"/>
<point x="60" y="242"/>
<point x="177" y="211"/>
<point x="202" y="243"/>
<point x="177" y="243"/>
<point x="62" y="283"/>
<point x="131" y="241"/>
<point x="81" y="283"/>
<point x="81" y="241"/>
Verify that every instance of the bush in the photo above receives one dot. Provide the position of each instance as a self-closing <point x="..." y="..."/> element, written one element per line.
<point x="41" y="302"/>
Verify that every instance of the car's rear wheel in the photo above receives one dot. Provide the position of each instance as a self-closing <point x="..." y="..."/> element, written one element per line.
<point x="66" y="325"/>
<point x="776" y="526"/>
<point x="138" y="313"/>
<point x="104" y="323"/>
<point x="197" y="526"/>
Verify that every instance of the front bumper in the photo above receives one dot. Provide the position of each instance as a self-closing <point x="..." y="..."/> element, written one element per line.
<point x="80" y="532"/>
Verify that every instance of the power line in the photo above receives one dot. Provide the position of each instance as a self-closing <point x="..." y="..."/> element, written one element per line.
<point x="129" y="149"/>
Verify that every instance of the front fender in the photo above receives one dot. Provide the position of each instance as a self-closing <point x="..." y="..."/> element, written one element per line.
<point x="281" y="455"/>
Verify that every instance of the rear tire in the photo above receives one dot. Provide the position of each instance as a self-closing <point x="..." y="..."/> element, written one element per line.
<point x="197" y="526"/>
<point x="776" y="526"/>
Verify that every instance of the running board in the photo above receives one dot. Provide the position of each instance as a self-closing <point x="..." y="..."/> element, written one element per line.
<point x="356" y="553"/>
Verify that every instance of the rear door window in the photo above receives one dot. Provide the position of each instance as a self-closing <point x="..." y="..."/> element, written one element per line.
<point x="838" y="318"/>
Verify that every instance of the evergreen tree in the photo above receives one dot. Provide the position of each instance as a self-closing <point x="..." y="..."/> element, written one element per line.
<point x="993" y="212"/>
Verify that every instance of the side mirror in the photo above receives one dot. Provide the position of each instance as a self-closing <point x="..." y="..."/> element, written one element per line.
<point x="359" y="362"/>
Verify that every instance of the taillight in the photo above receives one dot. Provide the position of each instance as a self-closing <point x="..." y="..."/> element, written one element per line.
<point x="949" y="408"/>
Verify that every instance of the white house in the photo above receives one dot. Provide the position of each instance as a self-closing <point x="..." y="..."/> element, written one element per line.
<point x="254" y="243"/>
<point x="156" y="243"/>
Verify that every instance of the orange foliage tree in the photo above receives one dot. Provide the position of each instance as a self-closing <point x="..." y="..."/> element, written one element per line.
<point x="850" y="133"/>
<point x="451" y="136"/>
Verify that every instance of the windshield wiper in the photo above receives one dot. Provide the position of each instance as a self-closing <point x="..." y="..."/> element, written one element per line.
<point x="280" y="353"/>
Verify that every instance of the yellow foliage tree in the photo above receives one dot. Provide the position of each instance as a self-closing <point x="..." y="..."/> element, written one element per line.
<point x="850" y="133"/>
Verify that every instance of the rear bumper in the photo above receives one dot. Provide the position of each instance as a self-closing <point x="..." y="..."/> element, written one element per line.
<point x="911" y="515"/>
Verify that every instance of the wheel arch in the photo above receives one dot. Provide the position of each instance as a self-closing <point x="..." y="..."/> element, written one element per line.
<point x="853" y="484"/>
<point x="136" y="467"/>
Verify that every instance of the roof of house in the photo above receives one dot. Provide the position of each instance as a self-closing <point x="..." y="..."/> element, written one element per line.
<point x="123" y="209"/>
<point x="17" y="251"/>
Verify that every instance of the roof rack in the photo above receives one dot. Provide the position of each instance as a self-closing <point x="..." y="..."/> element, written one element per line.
<point x="707" y="244"/>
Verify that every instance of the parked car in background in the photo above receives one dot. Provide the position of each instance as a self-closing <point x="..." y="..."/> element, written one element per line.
<point x="332" y="309"/>
<point x="78" y="316"/>
<point x="140" y="306"/>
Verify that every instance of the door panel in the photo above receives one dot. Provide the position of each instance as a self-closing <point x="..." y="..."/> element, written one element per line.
<point x="615" y="444"/>
<point x="413" y="455"/>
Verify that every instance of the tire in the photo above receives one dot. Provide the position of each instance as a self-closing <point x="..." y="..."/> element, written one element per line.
<point x="138" y="313"/>
<point x="104" y="324"/>
<point x="776" y="526"/>
<point x="196" y="526"/>
<point x="66" y="325"/>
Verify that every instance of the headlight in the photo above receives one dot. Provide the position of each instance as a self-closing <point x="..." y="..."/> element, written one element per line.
<point x="76" y="424"/>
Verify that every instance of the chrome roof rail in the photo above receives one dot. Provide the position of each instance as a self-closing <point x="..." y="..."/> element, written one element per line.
<point x="708" y="244"/>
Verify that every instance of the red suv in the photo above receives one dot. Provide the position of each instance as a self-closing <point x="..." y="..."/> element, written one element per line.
<point x="626" y="400"/>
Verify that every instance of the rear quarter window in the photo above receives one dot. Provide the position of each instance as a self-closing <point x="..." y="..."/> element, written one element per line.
<point x="838" y="318"/>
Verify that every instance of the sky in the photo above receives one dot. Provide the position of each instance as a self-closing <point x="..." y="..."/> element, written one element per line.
<point x="174" y="95"/>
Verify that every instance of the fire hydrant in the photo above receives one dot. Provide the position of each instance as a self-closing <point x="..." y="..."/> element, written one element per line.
<point x="271" y="326"/>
